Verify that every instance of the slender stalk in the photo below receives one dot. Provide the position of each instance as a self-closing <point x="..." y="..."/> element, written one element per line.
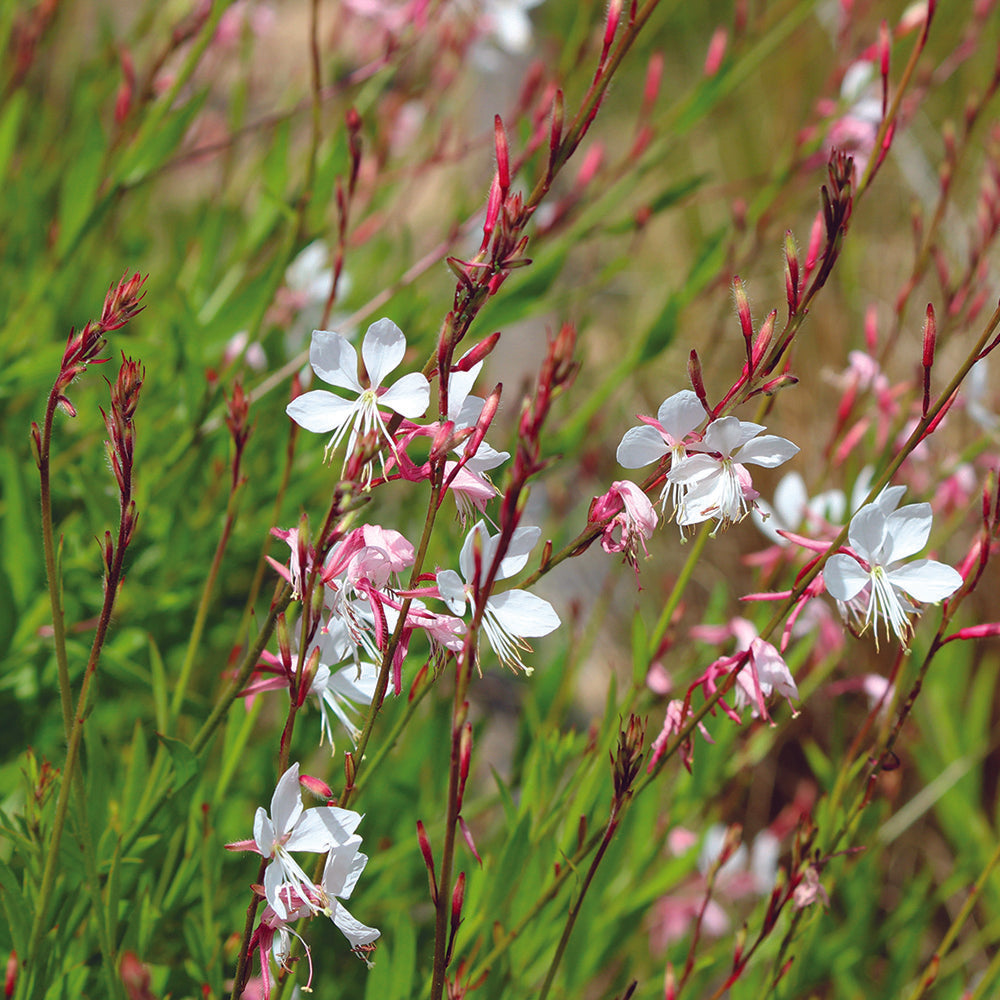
<point x="201" y="615"/>
<point x="930" y="973"/>
<point x="45" y="891"/>
<point x="51" y="568"/>
<point x="574" y="912"/>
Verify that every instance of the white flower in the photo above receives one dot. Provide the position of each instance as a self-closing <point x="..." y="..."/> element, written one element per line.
<point x="794" y="508"/>
<point x="336" y="362"/>
<point x="291" y="827"/>
<point x="340" y="691"/>
<point x="676" y="419"/>
<point x="882" y="536"/>
<point x="718" y="485"/>
<point x="344" y="865"/>
<point x="512" y="615"/>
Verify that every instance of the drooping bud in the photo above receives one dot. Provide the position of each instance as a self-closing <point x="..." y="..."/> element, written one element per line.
<point x="428" y="856"/>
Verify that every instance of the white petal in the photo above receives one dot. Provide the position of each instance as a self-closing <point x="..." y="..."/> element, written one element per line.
<point x="263" y="832"/>
<point x="867" y="532"/>
<point x="727" y="434"/>
<point x="907" y="531"/>
<point x="334" y="360"/>
<point x="926" y="580"/>
<point x="343" y="868"/>
<point x="286" y="803"/>
<point x="790" y="500"/>
<point x="382" y="350"/>
<point x="355" y="931"/>
<point x="320" y="411"/>
<point x="844" y="576"/>
<point x="522" y="541"/>
<point x="409" y="396"/>
<point x="521" y="613"/>
<point x="768" y="451"/>
<point x="459" y="386"/>
<point x="693" y="469"/>
<point x="641" y="446"/>
<point x="355" y="682"/>
<point x="274" y="878"/>
<point x="452" y="591"/>
<point x="679" y="415"/>
<point x="466" y="559"/>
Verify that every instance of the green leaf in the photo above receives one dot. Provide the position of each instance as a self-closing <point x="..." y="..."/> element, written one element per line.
<point x="15" y="908"/>
<point x="78" y="194"/>
<point x="183" y="758"/>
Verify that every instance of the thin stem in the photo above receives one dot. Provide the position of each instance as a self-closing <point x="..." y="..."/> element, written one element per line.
<point x="201" y="616"/>
<point x="112" y="579"/>
<point x="51" y="570"/>
<point x="576" y="907"/>
<point x="930" y="973"/>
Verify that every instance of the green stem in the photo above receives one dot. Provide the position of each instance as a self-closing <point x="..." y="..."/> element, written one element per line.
<point x="201" y="616"/>
<point x="574" y="912"/>
<point x="51" y="569"/>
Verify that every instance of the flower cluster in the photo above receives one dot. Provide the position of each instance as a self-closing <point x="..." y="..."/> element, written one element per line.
<point x="707" y="476"/>
<point x="290" y="893"/>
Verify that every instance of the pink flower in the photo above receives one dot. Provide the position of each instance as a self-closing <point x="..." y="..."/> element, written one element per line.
<point x="633" y="519"/>
<point x="763" y="672"/>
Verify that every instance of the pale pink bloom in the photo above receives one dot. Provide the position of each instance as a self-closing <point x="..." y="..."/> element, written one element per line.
<point x="309" y="277"/>
<point x="978" y="397"/>
<point x="336" y="362"/>
<point x="238" y="346"/>
<point x="743" y="873"/>
<point x="717" y="484"/>
<point x="674" y="721"/>
<point x="670" y="434"/>
<point x="658" y="679"/>
<point x="873" y="581"/>
<point x="510" y="616"/>
<point x="855" y="131"/>
<point x="765" y="671"/>
<point x="632" y="523"/>
<point x="809" y="890"/>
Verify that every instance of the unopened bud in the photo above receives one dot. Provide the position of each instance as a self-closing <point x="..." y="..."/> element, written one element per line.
<point x="555" y="133"/>
<point x="695" y="377"/>
<point x="477" y="353"/>
<point x="716" y="51"/>
<point x="316" y="786"/>
<point x="428" y="856"/>
<point x="503" y="155"/>
<point x="791" y="273"/>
